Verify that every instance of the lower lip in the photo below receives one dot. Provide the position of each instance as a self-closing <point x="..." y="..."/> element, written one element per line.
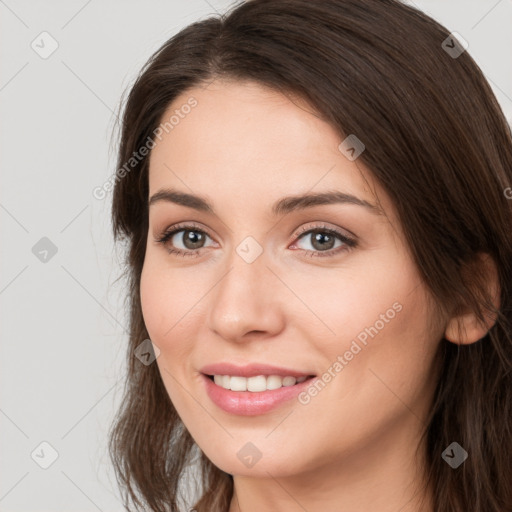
<point x="248" y="403"/>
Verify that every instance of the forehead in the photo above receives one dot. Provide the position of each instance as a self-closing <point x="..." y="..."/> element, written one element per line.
<point x="243" y="139"/>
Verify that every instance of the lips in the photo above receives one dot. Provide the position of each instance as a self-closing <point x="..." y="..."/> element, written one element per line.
<point x="252" y="370"/>
<point x="251" y="403"/>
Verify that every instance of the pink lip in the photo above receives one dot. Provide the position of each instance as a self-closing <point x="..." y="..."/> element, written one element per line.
<point x="251" y="370"/>
<point x="248" y="403"/>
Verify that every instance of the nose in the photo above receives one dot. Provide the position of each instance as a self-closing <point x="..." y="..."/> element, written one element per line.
<point x="247" y="302"/>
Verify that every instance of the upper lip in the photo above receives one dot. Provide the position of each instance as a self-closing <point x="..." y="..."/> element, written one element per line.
<point x="251" y="370"/>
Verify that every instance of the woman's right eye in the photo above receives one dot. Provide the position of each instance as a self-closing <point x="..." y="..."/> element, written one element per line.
<point x="190" y="237"/>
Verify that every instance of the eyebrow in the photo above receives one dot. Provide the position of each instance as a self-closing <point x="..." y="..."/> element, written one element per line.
<point x="282" y="206"/>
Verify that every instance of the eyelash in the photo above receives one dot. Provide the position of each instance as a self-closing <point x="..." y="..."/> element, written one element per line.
<point x="349" y="243"/>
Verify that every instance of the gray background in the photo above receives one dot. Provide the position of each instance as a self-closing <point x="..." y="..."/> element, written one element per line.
<point x="63" y="319"/>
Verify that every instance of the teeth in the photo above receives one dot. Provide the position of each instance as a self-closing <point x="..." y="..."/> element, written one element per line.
<point x="238" y="384"/>
<point x="255" y="384"/>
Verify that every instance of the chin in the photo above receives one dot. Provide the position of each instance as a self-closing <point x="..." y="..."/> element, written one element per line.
<point x="264" y="467"/>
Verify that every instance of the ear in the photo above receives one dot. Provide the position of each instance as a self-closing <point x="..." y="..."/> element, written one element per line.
<point x="465" y="327"/>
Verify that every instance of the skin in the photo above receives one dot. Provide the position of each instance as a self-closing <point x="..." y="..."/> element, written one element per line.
<point x="353" y="446"/>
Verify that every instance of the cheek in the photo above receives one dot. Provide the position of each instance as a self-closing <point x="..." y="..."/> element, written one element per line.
<point x="153" y="302"/>
<point x="164" y="304"/>
<point x="171" y="307"/>
<point x="348" y="303"/>
<point x="387" y="379"/>
<point x="387" y="359"/>
<point x="380" y="326"/>
<point x="165" y="298"/>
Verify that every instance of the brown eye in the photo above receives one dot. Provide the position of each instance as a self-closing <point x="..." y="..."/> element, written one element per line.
<point x="184" y="240"/>
<point x="323" y="241"/>
<point x="191" y="239"/>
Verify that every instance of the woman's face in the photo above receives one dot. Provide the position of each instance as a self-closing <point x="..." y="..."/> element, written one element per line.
<point x="259" y="286"/>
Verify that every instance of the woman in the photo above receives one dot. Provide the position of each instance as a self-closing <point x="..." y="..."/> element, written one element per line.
<point x="314" y="196"/>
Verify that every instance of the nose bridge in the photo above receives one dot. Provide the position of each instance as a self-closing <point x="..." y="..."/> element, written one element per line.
<point x="244" y="299"/>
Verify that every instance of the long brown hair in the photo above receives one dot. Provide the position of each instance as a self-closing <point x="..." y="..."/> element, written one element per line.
<point x="437" y="142"/>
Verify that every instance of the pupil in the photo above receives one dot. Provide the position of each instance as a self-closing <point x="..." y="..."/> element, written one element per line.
<point x="325" y="241"/>
<point x="192" y="239"/>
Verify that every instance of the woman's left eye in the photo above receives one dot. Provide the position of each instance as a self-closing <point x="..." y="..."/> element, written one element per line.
<point x="322" y="239"/>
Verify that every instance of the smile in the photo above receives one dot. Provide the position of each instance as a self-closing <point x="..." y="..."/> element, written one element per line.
<point x="252" y="396"/>
<point x="256" y="384"/>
